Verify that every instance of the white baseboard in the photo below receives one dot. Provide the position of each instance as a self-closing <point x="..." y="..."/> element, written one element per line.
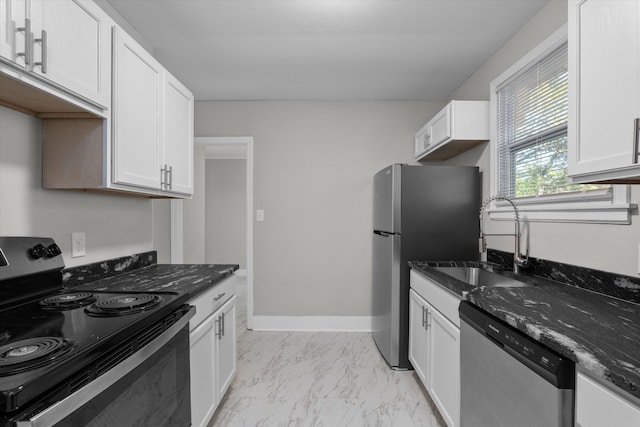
<point x="313" y="323"/>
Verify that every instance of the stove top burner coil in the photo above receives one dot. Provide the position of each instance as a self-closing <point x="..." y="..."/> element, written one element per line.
<point x="68" y="301"/>
<point x="124" y="304"/>
<point x="31" y="353"/>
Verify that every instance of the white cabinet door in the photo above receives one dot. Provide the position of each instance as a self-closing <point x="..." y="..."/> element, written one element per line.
<point x="440" y="127"/>
<point x="178" y="136"/>
<point x="444" y="365"/>
<point x="458" y="127"/>
<point x="604" y="64"/>
<point x="226" y="347"/>
<point x="137" y="114"/>
<point x="202" y="365"/>
<point x="418" y="336"/>
<point x="72" y="47"/>
<point x="13" y="24"/>
<point x="597" y="406"/>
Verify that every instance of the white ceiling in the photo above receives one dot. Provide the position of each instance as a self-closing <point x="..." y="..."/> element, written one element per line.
<point x="325" y="49"/>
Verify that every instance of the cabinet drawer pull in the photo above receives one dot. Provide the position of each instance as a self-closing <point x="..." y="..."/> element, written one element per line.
<point x="424" y="321"/>
<point x="43" y="43"/>
<point x="217" y="297"/>
<point x="218" y="328"/>
<point x="222" y="327"/>
<point x="28" y="44"/>
<point x="636" y="137"/>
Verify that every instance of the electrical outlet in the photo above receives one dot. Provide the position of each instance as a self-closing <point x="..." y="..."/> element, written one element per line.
<point x="260" y="215"/>
<point x="78" y="244"/>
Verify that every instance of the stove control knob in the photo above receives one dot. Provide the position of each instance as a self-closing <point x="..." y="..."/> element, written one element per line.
<point x="38" y="251"/>
<point x="53" y="250"/>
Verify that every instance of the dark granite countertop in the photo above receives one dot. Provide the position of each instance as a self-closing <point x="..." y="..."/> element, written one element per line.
<point x="598" y="332"/>
<point x="192" y="279"/>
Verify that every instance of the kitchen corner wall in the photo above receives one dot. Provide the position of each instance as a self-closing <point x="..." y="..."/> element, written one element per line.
<point x="612" y="248"/>
<point x="114" y="225"/>
<point x="313" y="171"/>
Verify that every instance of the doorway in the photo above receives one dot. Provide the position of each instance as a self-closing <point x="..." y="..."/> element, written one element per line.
<point x="228" y="153"/>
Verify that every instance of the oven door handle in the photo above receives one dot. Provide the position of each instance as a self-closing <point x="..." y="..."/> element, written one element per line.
<point x="68" y="405"/>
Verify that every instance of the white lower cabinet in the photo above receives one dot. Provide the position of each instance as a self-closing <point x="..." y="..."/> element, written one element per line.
<point x="434" y="344"/>
<point x="203" y="380"/>
<point x="598" y="406"/>
<point x="212" y="351"/>
<point x="225" y="347"/>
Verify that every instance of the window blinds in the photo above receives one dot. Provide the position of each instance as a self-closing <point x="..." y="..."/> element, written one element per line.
<point x="532" y="129"/>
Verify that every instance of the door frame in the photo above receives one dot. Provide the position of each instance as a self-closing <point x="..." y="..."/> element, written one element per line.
<point x="177" y="233"/>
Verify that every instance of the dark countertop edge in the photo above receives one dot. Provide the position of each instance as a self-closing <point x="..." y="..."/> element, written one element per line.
<point x="113" y="283"/>
<point x="426" y="268"/>
<point x="232" y="268"/>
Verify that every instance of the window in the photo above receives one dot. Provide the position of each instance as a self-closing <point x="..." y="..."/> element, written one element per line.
<point x="529" y="107"/>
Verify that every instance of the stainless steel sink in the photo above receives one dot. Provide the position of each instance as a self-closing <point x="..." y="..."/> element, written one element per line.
<point x="477" y="276"/>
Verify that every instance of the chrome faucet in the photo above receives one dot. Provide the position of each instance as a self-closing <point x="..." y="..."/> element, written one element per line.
<point x="519" y="260"/>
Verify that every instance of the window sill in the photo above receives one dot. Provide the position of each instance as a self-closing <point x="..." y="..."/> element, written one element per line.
<point x="586" y="212"/>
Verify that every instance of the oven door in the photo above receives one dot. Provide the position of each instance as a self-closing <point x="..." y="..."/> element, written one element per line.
<point x="149" y="388"/>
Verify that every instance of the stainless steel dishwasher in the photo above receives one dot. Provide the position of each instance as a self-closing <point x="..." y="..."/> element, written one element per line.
<point x="508" y="379"/>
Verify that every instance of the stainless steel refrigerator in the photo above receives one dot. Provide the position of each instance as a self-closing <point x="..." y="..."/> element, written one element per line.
<point x="420" y="213"/>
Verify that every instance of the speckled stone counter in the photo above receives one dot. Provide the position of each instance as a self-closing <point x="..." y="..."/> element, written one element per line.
<point x="75" y="276"/>
<point x="600" y="333"/>
<point x="191" y="279"/>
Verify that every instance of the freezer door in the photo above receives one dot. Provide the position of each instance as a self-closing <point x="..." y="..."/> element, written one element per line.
<point x="386" y="294"/>
<point x="386" y="199"/>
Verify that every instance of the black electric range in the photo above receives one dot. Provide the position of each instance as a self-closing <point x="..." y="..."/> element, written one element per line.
<point x="54" y="341"/>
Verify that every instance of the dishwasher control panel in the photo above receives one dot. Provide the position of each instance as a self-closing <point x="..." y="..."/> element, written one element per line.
<point x="523" y="345"/>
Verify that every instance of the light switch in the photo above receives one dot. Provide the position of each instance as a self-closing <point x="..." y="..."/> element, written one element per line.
<point x="259" y="215"/>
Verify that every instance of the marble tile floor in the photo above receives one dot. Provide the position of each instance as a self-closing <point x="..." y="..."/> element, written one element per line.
<point x="317" y="379"/>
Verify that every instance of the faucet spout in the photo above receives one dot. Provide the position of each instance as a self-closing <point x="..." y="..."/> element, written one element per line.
<point x="519" y="260"/>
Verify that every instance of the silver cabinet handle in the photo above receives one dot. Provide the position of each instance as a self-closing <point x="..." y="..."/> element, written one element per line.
<point x="219" y="328"/>
<point x="636" y="137"/>
<point x="424" y="321"/>
<point x="43" y="43"/>
<point x="28" y="43"/>
<point x="223" y="328"/>
<point x="164" y="177"/>
<point x="217" y="297"/>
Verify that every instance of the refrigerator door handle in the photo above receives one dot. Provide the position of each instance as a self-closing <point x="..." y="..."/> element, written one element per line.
<point x="385" y="233"/>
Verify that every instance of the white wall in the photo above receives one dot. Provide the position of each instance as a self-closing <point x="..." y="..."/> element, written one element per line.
<point x="114" y="225"/>
<point x="606" y="247"/>
<point x="194" y="212"/>
<point x="225" y="212"/>
<point x="313" y="169"/>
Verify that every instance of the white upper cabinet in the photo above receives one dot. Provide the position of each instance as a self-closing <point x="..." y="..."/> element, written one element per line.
<point x="65" y="42"/>
<point x="13" y="24"/>
<point x="152" y="122"/>
<point x="78" y="56"/>
<point x="137" y="114"/>
<point x="177" y="150"/>
<point x="145" y="146"/>
<point x="458" y="127"/>
<point x="604" y="90"/>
